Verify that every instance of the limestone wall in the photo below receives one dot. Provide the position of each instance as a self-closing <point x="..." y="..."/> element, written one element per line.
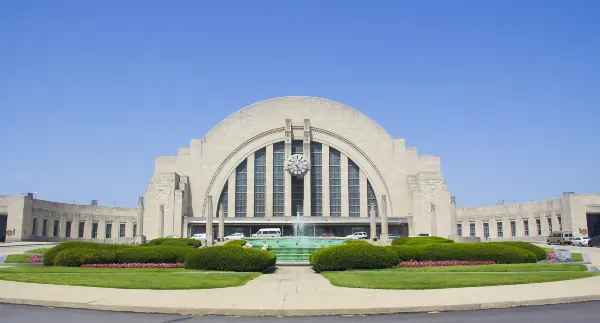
<point x="24" y="211"/>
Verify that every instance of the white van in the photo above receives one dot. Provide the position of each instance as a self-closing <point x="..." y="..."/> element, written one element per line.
<point x="270" y="232"/>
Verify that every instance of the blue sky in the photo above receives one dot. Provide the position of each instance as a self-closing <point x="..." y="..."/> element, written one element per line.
<point x="506" y="92"/>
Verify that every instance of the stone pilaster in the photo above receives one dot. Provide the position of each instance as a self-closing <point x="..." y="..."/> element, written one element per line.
<point x="269" y="183"/>
<point x="288" y="176"/>
<point x="373" y="223"/>
<point x="221" y="225"/>
<point x="307" y="180"/>
<point x="433" y="220"/>
<point x="209" y="221"/>
<point x="161" y="220"/>
<point x="62" y="226"/>
<point x="384" y="219"/>
<point x="140" y="216"/>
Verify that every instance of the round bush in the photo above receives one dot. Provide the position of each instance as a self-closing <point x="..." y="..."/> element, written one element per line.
<point x="81" y="256"/>
<point x="353" y="256"/>
<point x="230" y="258"/>
<point x="503" y="254"/>
<point x="539" y="252"/>
<point x="153" y="255"/>
<point x="238" y="243"/>
<point x="419" y="241"/>
<point x="51" y="254"/>
<point x="174" y="242"/>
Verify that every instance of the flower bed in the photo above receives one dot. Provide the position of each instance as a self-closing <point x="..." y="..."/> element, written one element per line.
<point x="443" y="263"/>
<point x="149" y="265"/>
<point x="550" y="255"/>
<point x="36" y="258"/>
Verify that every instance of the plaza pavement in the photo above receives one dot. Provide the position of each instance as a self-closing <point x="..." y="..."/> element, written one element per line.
<point x="293" y="291"/>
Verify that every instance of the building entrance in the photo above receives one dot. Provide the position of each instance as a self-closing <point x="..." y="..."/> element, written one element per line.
<point x="593" y="224"/>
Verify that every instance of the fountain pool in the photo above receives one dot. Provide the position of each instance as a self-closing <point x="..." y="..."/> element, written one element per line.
<point x="294" y="249"/>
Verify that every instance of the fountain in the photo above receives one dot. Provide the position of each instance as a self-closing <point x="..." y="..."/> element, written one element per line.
<point x="296" y="248"/>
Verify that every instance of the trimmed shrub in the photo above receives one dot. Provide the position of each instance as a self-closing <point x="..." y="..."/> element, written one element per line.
<point x="356" y="242"/>
<point x="51" y="254"/>
<point x="419" y="241"/>
<point x="503" y="254"/>
<point x="177" y="242"/>
<point x="353" y="256"/>
<point x="237" y="243"/>
<point x="230" y="258"/>
<point x="153" y="255"/>
<point x="539" y="252"/>
<point x="81" y="256"/>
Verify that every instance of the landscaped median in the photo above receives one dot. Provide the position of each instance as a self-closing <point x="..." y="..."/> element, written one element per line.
<point x="159" y="264"/>
<point x="126" y="278"/>
<point x="434" y="263"/>
<point x="459" y="276"/>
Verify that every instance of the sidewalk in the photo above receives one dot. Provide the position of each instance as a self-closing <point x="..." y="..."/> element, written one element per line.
<point x="297" y="291"/>
<point x="25" y="243"/>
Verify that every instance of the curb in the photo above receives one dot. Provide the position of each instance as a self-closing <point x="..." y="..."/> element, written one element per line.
<point x="301" y="312"/>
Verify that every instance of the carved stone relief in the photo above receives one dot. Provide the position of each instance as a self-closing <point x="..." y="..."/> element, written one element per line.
<point x="163" y="189"/>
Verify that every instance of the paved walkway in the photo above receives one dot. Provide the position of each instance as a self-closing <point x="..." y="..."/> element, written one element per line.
<point x="297" y="291"/>
<point x="25" y="243"/>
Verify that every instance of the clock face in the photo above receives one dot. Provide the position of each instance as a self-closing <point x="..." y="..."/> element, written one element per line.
<point x="297" y="165"/>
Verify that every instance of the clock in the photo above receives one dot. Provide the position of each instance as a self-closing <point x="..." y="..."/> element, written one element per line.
<point x="297" y="165"/>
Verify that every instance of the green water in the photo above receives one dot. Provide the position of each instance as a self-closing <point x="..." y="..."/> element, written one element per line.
<point x="294" y="249"/>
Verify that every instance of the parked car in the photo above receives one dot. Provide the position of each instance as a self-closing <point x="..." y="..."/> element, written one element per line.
<point x="235" y="236"/>
<point x="594" y="241"/>
<point x="172" y="236"/>
<point x="581" y="241"/>
<point x="357" y="235"/>
<point x="199" y="236"/>
<point x="392" y="236"/>
<point x="560" y="237"/>
<point x="271" y="232"/>
<point x="327" y="235"/>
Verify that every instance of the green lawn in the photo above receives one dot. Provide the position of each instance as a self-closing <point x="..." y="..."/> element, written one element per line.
<point x="17" y="259"/>
<point x="497" y="268"/>
<point x="126" y="278"/>
<point x="577" y="257"/>
<point x="438" y="280"/>
<point x="38" y="251"/>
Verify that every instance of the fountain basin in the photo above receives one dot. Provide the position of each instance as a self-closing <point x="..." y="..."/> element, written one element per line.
<point x="294" y="249"/>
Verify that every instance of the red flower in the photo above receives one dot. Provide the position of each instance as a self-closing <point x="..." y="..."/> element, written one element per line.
<point x="134" y="265"/>
<point x="417" y="264"/>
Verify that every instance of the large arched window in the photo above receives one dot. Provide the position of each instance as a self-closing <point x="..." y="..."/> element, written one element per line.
<point x="270" y="171"/>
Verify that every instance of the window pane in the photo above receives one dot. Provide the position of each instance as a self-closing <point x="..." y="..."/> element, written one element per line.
<point x="353" y="189"/>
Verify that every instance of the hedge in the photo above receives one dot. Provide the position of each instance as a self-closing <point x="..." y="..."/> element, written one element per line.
<point x="419" y="241"/>
<point x="353" y="256"/>
<point x="153" y="255"/>
<point x="539" y="252"/>
<point x="51" y="254"/>
<point x="230" y="258"/>
<point x="177" y="242"/>
<point x="237" y="243"/>
<point x="81" y="256"/>
<point x="503" y="254"/>
<point x="356" y="242"/>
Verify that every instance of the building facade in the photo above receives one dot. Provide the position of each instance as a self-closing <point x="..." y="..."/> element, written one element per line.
<point x="296" y="159"/>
